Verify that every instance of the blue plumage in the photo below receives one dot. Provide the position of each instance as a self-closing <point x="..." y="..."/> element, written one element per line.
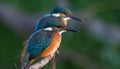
<point x="39" y="41"/>
<point x="49" y="21"/>
<point x="62" y="10"/>
<point x="39" y="21"/>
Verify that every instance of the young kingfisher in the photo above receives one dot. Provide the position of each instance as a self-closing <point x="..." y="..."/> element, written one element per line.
<point x="47" y="36"/>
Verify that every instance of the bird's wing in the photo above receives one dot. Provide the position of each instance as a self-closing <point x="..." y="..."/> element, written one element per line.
<point x="39" y="41"/>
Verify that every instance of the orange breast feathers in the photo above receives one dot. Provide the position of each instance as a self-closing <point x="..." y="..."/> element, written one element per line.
<point x="64" y="21"/>
<point x="55" y="43"/>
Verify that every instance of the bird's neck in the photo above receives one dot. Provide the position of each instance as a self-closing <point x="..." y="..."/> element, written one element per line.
<point x="64" y="21"/>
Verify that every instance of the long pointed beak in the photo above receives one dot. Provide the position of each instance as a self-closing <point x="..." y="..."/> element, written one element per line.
<point x="72" y="30"/>
<point x="75" y="18"/>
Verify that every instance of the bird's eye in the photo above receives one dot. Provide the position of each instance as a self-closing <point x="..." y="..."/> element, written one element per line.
<point x="58" y="26"/>
<point x="61" y="27"/>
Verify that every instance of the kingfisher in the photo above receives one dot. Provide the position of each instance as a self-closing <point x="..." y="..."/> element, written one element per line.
<point x="46" y="38"/>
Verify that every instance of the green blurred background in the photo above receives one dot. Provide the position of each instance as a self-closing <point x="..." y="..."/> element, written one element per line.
<point x="97" y="46"/>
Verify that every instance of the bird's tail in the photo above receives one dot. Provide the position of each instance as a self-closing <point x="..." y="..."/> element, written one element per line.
<point x="29" y="63"/>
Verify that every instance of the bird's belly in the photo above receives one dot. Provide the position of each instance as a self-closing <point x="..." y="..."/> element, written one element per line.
<point x="54" y="45"/>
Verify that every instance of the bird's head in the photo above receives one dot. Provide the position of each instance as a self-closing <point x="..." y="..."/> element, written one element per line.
<point x="64" y="15"/>
<point x="57" y="20"/>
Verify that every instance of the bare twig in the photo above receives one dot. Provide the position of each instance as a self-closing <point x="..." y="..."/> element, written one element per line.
<point x="54" y="62"/>
<point x="42" y="62"/>
<point x="38" y="64"/>
<point x="23" y="54"/>
<point x="28" y="23"/>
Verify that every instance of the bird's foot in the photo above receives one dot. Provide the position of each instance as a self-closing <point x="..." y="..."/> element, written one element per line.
<point x="49" y="57"/>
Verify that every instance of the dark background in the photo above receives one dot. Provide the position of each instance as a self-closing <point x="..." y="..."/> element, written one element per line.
<point x="96" y="46"/>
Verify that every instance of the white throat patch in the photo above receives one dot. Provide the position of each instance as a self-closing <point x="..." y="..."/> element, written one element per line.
<point x="62" y="31"/>
<point x="48" y="29"/>
<point x="55" y="14"/>
<point x="67" y="18"/>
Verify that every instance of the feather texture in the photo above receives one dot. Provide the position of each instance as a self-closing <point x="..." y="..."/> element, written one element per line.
<point x="54" y="45"/>
<point x="39" y="41"/>
<point x="49" y="21"/>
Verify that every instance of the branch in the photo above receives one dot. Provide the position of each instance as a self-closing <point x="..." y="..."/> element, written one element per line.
<point x="42" y="62"/>
<point x="38" y="64"/>
<point x="23" y="56"/>
<point x="54" y="62"/>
